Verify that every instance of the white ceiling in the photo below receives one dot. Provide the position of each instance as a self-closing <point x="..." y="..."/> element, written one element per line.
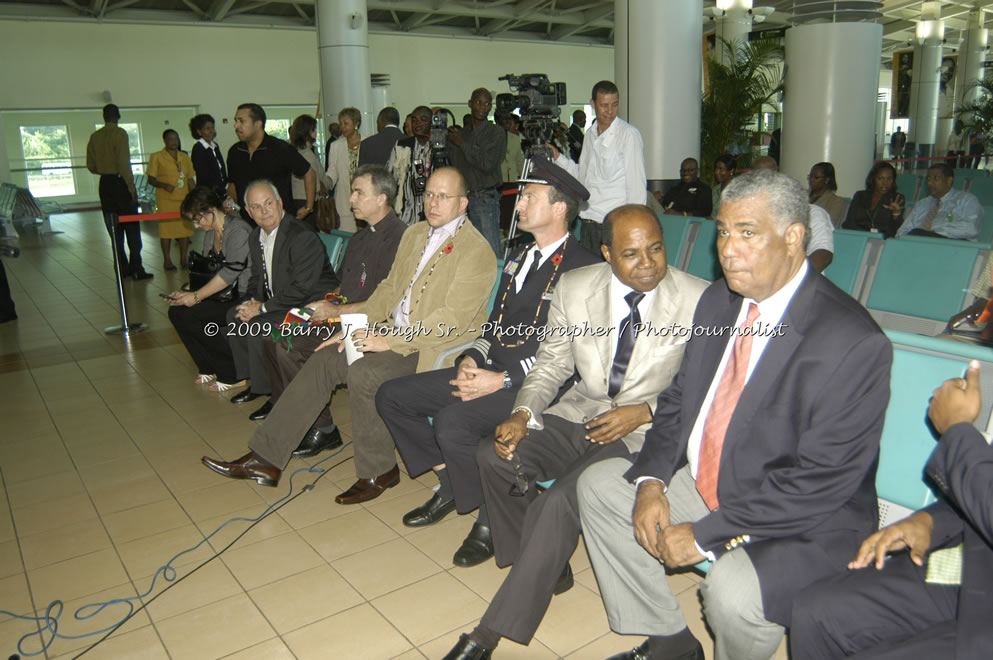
<point x="567" y="21"/>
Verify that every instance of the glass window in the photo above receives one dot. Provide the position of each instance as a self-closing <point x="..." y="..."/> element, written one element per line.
<point x="46" y="157"/>
<point x="278" y="128"/>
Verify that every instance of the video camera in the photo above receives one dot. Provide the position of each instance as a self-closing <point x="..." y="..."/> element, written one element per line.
<point x="539" y="101"/>
<point x="439" y="139"/>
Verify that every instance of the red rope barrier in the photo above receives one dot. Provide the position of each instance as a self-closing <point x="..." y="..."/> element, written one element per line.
<point x="142" y="217"/>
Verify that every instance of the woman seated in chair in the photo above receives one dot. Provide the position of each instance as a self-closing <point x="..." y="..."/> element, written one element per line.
<point x="878" y="208"/>
<point x="208" y="299"/>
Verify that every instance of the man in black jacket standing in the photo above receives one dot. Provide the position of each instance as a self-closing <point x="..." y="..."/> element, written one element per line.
<point x="376" y="149"/>
<point x="468" y="401"/>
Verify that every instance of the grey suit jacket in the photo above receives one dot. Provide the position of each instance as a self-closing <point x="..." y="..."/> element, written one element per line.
<point x="581" y="337"/>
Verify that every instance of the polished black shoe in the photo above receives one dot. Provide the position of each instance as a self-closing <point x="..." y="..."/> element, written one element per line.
<point x="430" y="512"/>
<point x="262" y="412"/>
<point x="245" y="396"/>
<point x="141" y="275"/>
<point x="317" y="441"/>
<point x="476" y="548"/>
<point x="643" y="653"/>
<point x="565" y="581"/>
<point x="466" y="649"/>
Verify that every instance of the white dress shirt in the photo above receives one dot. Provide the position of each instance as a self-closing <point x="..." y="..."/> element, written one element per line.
<point x="543" y="255"/>
<point x="436" y="237"/>
<point x="821" y="231"/>
<point x="612" y="167"/>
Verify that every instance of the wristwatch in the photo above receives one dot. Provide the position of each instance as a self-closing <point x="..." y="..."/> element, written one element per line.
<point x="507" y="383"/>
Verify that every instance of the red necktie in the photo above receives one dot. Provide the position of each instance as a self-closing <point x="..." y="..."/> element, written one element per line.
<point x="721" y="408"/>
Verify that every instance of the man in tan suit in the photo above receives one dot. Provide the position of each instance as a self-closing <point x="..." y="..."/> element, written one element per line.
<point x="622" y="326"/>
<point x="434" y="298"/>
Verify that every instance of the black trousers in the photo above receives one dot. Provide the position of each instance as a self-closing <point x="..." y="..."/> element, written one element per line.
<point x="210" y="350"/>
<point x="535" y="533"/>
<point x="7" y="311"/>
<point x="405" y="405"/>
<point x="115" y="198"/>
<point x="591" y="235"/>
<point x="892" y="614"/>
<point x="246" y="340"/>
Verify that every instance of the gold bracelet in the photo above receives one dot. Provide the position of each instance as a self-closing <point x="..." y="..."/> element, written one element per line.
<point x="523" y="410"/>
<point x="196" y="298"/>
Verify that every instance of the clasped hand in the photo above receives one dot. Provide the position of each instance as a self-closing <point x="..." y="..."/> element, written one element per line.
<point x="509" y="433"/>
<point x="249" y="310"/>
<point x="617" y="422"/>
<point x="673" y="545"/>
<point x="471" y="382"/>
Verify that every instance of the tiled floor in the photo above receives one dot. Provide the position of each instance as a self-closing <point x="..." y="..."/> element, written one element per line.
<point x="100" y="441"/>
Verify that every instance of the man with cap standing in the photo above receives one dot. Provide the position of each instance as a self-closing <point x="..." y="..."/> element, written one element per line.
<point x="622" y="326"/>
<point x="468" y="400"/>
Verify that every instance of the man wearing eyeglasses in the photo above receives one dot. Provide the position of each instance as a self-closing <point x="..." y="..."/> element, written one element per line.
<point x="289" y="268"/>
<point x="691" y="196"/>
<point x="616" y="324"/>
<point x="434" y="297"/>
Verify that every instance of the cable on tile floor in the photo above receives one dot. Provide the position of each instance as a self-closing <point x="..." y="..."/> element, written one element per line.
<point x="53" y="613"/>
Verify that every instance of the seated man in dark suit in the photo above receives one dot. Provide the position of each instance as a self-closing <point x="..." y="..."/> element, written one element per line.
<point x="433" y="299"/>
<point x="376" y="149"/>
<point x="468" y="401"/>
<point x="933" y="601"/>
<point x="289" y="268"/>
<point x="690" y="196"/>
<point x="636" y="298"/>
<point x="367" y="262"/>
<point x="762" y="453"/>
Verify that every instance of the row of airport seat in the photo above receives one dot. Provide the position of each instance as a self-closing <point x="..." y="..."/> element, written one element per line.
<point x="977" y="182"/>
<point x="912" y="283"/>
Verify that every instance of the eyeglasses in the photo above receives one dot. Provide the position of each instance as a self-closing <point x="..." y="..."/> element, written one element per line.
<point x="268" y="204"/>
<point x="520" y="486"/>
<point x="441" y="197"/>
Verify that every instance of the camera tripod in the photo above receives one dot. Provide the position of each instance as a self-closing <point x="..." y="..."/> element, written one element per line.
<point x="512" y="232"/>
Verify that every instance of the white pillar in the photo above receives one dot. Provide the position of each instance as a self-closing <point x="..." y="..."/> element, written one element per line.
<point x="343" y="48"/>
<point x="734" y="22"/>
<point x="972" y="54"/>
<point x="658" y="72"/>
<point x="925" y="82"/>
<point x="829" y="106"/>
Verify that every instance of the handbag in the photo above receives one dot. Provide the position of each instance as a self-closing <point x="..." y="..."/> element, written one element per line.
<point x="327" y="212"/>
<point x="204" y="268"/>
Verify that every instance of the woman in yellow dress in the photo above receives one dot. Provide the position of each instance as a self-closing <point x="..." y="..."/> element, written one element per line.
<point x="170" y="171"/>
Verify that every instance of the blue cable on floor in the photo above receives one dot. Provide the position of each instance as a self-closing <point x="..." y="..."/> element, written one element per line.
<point x="54" y="610"/>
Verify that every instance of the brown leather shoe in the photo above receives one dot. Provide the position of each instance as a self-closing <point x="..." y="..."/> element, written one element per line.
<point x="248" y="466"/>
<point x="364" y="490"/>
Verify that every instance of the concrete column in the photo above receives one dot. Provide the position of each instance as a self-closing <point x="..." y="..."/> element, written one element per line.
<point x="734" y="22"/>
<point x="343" y="47"/>
<point x="658" y="71"/>
<point x="829" y="106"/>
<point x="925" y="82"/>
<point x="972" y="54"/>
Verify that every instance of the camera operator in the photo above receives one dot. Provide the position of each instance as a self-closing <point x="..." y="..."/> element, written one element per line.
<point x="477" y="151"/>
<point x="611" y="166"/>
<point x="410" y="165"/>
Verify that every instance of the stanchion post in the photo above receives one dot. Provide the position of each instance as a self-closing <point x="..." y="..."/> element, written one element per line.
<point x="113" y="225"/>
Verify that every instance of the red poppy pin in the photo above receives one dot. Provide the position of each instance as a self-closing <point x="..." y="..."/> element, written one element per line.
<point x="448" y="248"/>
<point x="557" y="258"/>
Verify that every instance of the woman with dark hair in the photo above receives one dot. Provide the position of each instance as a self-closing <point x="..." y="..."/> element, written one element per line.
<point x="878" y="208"/>
<point x="191" y="311"/>
<point x="208" y="162"/>
<point x="343" y="158"/>
<point x="724" y="168"/>
<point x="823" y="185"/>
<point x="170" y="172"/>
<point x="303" y="133"/>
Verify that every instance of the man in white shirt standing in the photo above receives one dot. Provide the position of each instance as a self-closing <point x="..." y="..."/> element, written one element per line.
<point x="762" y="453"/>
<point x="611" y="166"/>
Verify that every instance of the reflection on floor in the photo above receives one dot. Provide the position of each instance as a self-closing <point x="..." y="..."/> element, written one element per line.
<point x="102" y="484"/>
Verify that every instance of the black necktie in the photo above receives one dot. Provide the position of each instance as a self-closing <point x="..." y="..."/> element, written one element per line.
<point x="625" y="343"/>
<point x="532" y="269"/>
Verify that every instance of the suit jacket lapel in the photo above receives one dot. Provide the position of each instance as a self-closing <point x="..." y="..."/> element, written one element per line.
<point x="663" y="308"/>
<point x="709" y="356"/>
<point x="598" y="306"/>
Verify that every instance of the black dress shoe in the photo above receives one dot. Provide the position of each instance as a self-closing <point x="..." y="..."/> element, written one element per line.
<point x="430" y="512"/>
<point x="364" y="490"/>
<point x="317" y="441"/>
<point x="141" y="275"/>
<point x="565" y="581"/>
<point x="643" y="653"/>
<point x="245" y="396"/>
<point x="466" y="649"/>
<point x="476" y="548"/>
<point x="262" y="412"/>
